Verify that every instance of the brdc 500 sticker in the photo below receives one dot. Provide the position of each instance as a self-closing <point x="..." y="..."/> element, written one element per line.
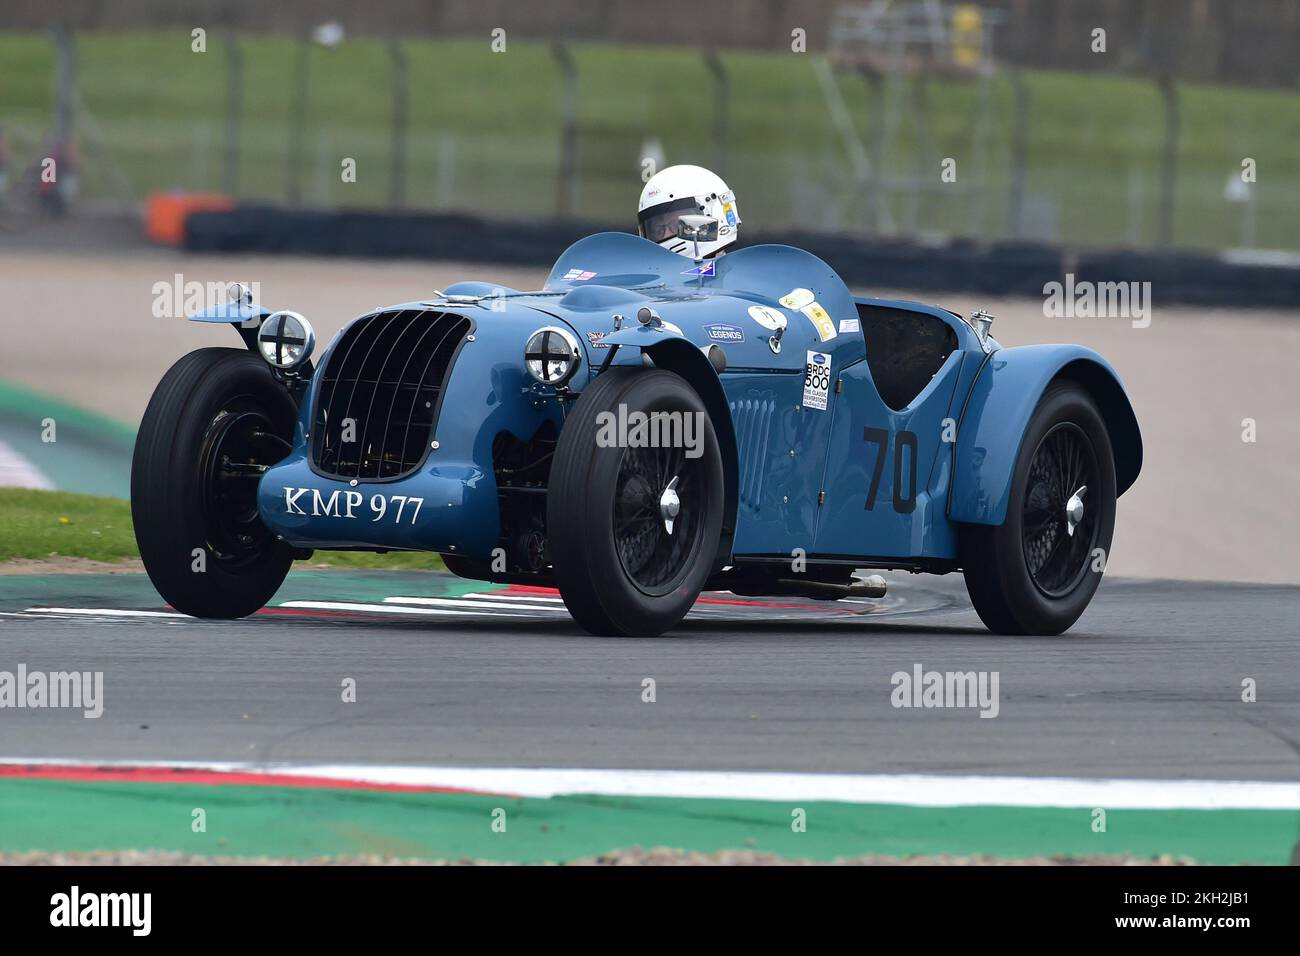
<point x="817" y="381"/>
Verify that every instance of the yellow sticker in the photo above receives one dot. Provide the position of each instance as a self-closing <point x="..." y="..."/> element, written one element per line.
<point x="821" y="321"/>
<point x="797" y="298"/>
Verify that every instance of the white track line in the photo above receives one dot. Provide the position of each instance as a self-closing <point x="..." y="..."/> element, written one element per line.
<point x="101" y="612"/>
<point x="517" y="597"/>
<point x="910" y="789"/>
<point x="17" y="471"/>
<point x="488" y="610"/>
<point x="457" y="602"/>
<point x="924" y="790"/>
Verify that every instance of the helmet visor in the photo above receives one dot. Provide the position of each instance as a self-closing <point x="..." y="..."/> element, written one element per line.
<point x="658" y="223"/>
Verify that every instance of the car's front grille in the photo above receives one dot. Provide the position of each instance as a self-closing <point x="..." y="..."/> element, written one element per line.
<point x="379" y="393"/>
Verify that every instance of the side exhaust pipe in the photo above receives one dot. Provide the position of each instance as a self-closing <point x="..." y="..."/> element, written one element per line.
<point x="872" y="586"/>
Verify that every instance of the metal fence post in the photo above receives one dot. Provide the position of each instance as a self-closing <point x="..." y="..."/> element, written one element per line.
<point x="1019" y="155"/>
<point x="568" y="173"/>
<point x="876" y="207"/>
<point x="397" y="172"/>
<point x="64" y="89"/>
<point x="1169" y="163"/>
<point x="234" y="114"/>
<point x="721" y="109"/>
<point x="925" y="151"/>
<point x="54" y="199"/>
<point x="297" y="122"/>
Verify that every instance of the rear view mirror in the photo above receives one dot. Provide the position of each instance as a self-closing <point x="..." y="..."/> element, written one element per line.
<point x="697" y="228"/>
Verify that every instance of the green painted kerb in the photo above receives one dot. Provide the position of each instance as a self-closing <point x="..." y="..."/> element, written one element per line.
<point x="301" y="822"/>
<point x="21" y="402"/>
<point x="91" y="454"/>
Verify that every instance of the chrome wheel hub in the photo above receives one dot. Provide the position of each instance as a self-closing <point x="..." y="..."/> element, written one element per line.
<point x="1074" y="510"/>
<point x="670" y="506"/>
<point x="660" y="503"/>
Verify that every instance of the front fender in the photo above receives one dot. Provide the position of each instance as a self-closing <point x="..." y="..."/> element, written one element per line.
<point x="668" y="350"/>
<point x="997" y="413"/>
<point x="244" y="319"/>
<point x="687" y="360"/>
<point x="640" y="336"/>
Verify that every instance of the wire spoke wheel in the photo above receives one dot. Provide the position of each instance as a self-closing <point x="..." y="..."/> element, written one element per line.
<point x="1059" y="530"/>
<point x="654" y="557"/>
<point x="1036" y="572"/>
<point x="633" y="526"/>
<point x="236" y="451"/>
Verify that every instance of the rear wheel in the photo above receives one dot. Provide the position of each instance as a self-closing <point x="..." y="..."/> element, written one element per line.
<point x="215" y="423"/>
<point x="1036" y="573"/>
<point x="632" y="531"/>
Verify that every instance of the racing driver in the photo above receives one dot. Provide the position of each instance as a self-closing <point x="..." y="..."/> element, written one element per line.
<point x="687" y="191"/>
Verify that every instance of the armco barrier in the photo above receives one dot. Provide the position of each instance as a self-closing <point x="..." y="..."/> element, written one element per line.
<point x="1009" y="268"/>
<point x="383" y="235"/>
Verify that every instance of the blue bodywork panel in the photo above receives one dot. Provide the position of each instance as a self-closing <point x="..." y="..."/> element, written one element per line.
<point x="815" y="457"/>
<point x="997" y="414"/>
<point x="906" y="515"/>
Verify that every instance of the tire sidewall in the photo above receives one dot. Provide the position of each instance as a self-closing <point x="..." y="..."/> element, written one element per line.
<point x="168" y="510"/>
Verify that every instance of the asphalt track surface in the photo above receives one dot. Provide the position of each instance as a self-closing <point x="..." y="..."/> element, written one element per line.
<point x="1147" y="684"/>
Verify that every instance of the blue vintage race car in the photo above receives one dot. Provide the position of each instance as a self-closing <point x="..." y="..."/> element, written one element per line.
<point x="644" y="427"/>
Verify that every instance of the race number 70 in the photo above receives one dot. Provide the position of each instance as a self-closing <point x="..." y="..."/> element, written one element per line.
<point x="903" y="441"/>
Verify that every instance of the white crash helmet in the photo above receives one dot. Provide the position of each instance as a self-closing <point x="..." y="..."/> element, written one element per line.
<point x="686" y="191"/>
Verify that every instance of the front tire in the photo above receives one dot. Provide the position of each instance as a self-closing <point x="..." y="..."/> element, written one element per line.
<point x="1037" y="571"/>
<point x="215" y="422"/>
<point x="619" y="569"/>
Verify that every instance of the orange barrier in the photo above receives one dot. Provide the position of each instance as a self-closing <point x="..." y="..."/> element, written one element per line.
<point x="165" y="213"/>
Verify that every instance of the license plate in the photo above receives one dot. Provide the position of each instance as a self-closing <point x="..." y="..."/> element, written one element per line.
<point x="310" y="502"/>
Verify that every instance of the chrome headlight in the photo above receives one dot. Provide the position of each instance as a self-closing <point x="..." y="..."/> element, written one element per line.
<point x="552" y="355"/>
<point x="286" y="340"/>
